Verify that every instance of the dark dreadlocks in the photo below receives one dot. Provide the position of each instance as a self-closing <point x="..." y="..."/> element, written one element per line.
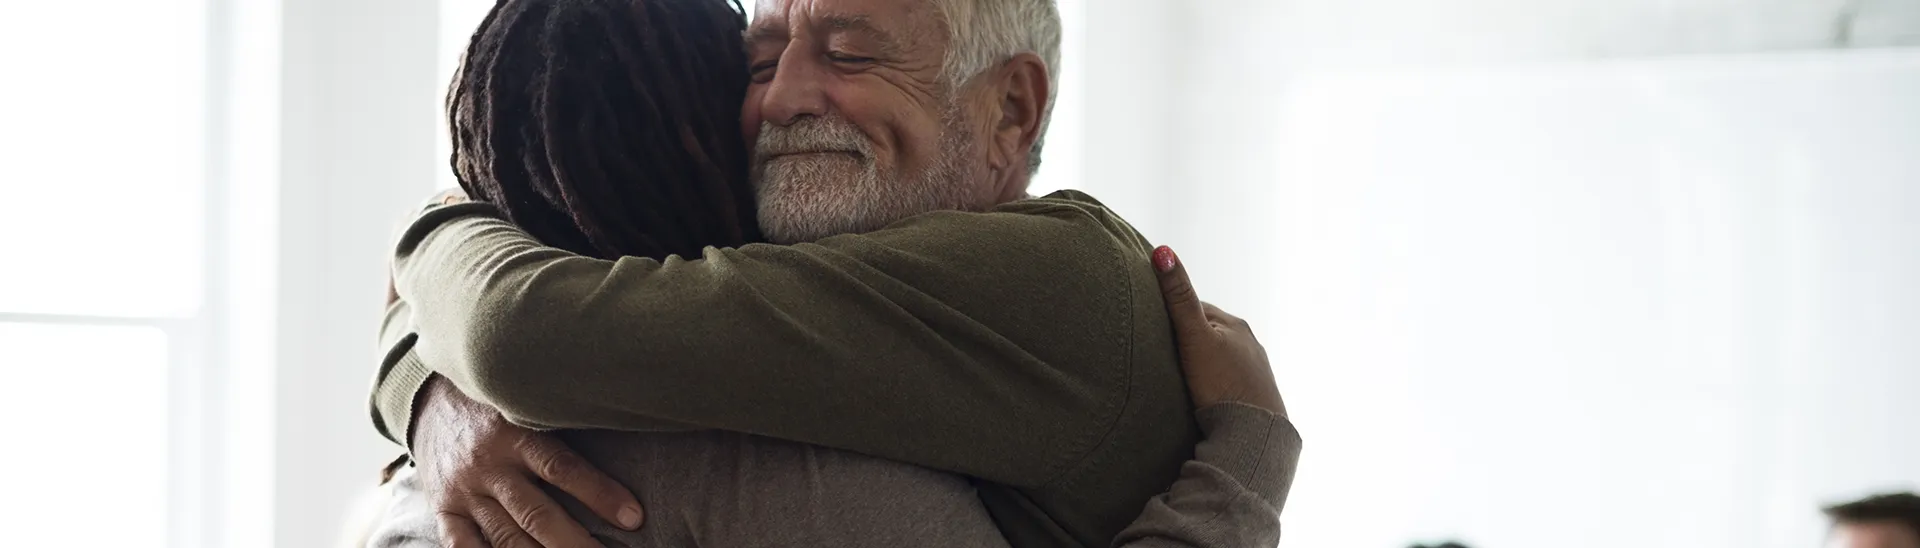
<point x="608" y="127"/>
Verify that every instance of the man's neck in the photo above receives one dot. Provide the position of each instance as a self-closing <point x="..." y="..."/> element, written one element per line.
<point x="1015" y="187"/>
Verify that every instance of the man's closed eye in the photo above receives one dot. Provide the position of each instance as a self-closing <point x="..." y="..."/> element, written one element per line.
<point x="844" y="59"/>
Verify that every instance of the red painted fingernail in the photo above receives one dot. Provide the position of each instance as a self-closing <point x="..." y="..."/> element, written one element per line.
<point x="1164" y="260"/>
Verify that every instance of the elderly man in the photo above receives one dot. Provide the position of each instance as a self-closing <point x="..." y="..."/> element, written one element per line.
<point x="1041" y="406"/>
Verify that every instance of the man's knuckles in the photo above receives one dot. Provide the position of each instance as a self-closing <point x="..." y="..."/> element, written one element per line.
<point x="541" y="518"/>
<point x="558" y="465"/>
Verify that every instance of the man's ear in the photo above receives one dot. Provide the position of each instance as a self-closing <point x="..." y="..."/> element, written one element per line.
<point x="1023" y="94"/>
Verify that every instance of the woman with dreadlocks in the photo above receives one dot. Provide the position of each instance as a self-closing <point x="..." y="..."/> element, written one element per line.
<point x="925" y="384"/>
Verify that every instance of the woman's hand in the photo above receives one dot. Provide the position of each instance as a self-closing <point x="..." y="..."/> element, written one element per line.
<point x="1222" y="359"/>
<point x="451" y="196"/>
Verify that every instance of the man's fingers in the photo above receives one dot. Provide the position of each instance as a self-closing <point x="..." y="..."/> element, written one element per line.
<point x="458" y="531"/>
<point x="541" y="517"/>
<point x="1183" y="305"/>
<point x="556" y="463"/>
<point x="498" y="525"/>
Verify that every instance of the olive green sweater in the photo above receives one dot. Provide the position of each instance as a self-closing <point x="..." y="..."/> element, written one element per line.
<point x="1027" y="346"/>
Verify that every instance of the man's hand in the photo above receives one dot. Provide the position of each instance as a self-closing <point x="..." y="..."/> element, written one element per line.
<point x="1222" y="359"/>
<point x="480" y="472"/>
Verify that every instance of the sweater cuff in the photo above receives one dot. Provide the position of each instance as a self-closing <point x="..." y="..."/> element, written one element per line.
<point x="1259" y="448"/>
<point x="398" y="391"/>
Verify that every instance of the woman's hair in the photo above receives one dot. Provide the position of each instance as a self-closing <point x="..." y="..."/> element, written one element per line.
<point x="608" y="127"/>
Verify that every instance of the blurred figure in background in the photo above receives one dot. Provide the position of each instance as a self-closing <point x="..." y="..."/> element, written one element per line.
<point x="1879" y="521"/>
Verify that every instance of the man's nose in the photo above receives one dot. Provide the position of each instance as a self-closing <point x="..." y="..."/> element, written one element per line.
<point x="797" y="90"/>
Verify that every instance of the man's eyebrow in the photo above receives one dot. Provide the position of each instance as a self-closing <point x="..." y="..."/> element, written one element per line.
<point x="861" y="24"/>
<point x="769" y="33"/>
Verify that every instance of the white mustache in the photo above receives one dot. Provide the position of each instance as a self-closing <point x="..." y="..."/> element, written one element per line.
<point x="811" y="135"/>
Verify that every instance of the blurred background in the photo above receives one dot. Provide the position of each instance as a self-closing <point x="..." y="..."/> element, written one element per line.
<point x="1532" y="273"/>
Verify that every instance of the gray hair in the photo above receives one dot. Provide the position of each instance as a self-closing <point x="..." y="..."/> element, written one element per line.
<point x="982" y="34"/>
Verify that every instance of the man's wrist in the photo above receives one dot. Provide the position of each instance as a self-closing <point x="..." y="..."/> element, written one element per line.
<point x="426" y="396"/>
<point x="397" y="389"/>
<point x="442" y="405"/>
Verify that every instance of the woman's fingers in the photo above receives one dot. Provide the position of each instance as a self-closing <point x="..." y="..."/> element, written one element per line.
<point x="1183" y="305"/>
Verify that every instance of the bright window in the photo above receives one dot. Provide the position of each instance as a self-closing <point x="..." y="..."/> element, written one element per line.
<point x="102" y="299"/>
<point x="104" y="148"/>
<point x="95" y="397"/>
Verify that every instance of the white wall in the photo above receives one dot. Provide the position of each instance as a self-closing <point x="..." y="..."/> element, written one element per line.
<point x="1545" y="273"/>
<point x="356" y="143"/>
<point x="1329" y="33"/>
<point x="1669" y="294"/>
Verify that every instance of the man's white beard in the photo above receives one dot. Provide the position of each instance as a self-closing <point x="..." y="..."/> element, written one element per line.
<point x="806" y="198"/>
